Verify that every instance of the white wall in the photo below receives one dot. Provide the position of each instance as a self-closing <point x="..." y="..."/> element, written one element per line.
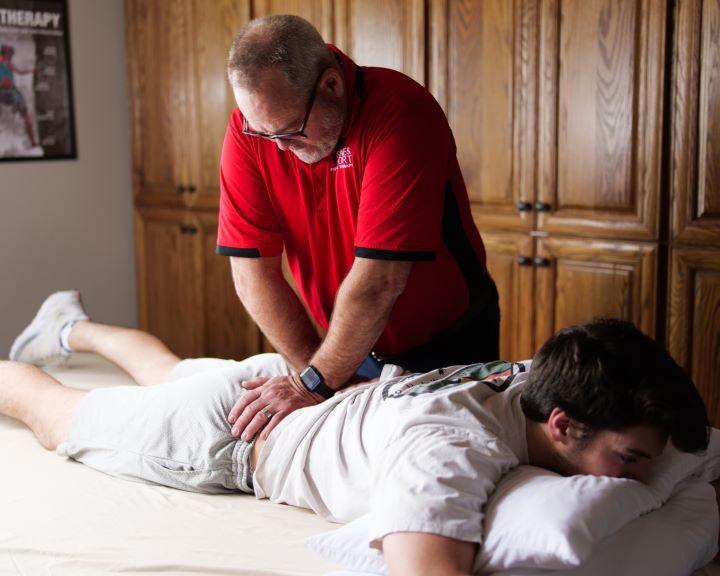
<point x="68" y="223"/>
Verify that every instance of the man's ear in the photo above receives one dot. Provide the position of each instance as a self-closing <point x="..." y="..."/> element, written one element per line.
<point x="333" y="82"/>
<point x="558" y="425"/>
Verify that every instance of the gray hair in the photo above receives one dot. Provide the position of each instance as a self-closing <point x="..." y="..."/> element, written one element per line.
<point x="288" y="43"/>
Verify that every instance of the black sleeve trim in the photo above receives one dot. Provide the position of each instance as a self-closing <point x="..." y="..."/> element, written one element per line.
<point x="238" y="252"/>
<point x="398" y="255"/>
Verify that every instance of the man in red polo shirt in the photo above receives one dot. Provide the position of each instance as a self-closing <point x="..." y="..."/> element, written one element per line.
<point x="352" y="171"/>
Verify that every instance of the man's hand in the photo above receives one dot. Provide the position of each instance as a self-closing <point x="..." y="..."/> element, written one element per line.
<point x="266" y="402"/>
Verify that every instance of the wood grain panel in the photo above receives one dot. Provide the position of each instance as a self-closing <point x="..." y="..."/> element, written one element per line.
<point x="381" y="33"/>
<point x="170" y="279"/>
<point x="694" y="320"/>
<point x="229" y="330"/>
<point x="583" y="279"/>
<point x="515" y="286"/>
<point x="482" y="65"/>
<point x="601" y="106"/>
<point x="318" y="12"/>
<point x="159" y="84"/>
<point x="695" y="167"/>
<point x="213" y="34"/>
<point x="598" y="39"/>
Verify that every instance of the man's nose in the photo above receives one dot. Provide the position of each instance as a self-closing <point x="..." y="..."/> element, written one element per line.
<point x="638" y="472"/>
<point x="283" y="144"/>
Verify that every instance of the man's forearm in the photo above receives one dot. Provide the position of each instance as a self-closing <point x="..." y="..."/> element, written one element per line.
<point x="361" y="312"/>
<point x="276" y="309"/>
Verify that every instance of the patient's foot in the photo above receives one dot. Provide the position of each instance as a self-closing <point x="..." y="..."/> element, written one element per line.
<point x="41" y="342"/>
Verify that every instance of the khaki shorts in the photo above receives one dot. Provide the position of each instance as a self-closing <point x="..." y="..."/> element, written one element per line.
<point x="174" y="434"/>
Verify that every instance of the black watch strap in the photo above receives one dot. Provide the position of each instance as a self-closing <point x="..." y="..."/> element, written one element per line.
<point x="313" y="380"/>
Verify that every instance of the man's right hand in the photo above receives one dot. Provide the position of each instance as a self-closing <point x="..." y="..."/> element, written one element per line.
<point x="266" y="402"/>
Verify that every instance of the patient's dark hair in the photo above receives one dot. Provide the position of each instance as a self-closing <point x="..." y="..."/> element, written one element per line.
<point x="608" y="375"/>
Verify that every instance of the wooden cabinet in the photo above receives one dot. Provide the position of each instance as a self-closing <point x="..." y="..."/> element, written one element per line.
<point x="186" y="291"/>
<point x="600" y="117"/>
<point x="578" y="279"/>
<point x="169" y="280"/>
<point x="556" y="107"/>
<point x="694" y="319"/>
<point x="589" y="147"/>
<point x="514" y="275"/>
<point x="181" y="100"/>
<point x="693" y="310"/>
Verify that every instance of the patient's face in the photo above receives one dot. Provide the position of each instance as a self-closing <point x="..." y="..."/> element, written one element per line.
<point x="619" y="454"/>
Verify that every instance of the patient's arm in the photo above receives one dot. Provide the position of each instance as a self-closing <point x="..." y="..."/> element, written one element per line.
<point x="421" y="554"/>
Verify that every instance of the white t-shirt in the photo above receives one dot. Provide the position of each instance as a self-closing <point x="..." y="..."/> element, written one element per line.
<point x="420" y="452"/>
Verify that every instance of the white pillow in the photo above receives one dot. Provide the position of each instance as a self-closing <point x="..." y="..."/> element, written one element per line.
<point x="678" y="538"/>
<point x="539" y="519"/>
<point x="536" y="518"/>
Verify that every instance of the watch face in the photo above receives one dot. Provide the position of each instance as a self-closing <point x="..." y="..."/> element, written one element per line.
<point x="310" y="378"/>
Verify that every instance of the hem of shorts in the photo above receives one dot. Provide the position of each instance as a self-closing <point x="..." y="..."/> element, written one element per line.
<point x="241" y="470"/>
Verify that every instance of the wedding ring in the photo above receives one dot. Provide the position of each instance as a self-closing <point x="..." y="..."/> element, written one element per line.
<point x="265" y="412"/>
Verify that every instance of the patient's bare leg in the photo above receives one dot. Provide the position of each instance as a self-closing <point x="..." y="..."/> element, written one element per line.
<point x="37" y="400"/>
<point x="143" y="356"/>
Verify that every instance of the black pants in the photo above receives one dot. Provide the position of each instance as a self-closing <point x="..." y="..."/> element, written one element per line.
<point x="474" y="337"/>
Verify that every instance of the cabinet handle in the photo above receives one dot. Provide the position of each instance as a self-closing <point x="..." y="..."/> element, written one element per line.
<point x="191" y="189"/>
<point x="542" y="207"/>
<point x="524" y="261"/>
<point x="524" y="206"/>
<point x="192" y="230"/>
<point x="541" y="262"/>
<point x="181" y="190"/>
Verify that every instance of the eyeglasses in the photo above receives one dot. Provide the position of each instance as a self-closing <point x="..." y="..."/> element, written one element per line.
<point x="294" y="135"/>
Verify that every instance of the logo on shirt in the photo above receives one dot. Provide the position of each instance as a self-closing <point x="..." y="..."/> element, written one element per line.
<point x="497" y="375"/>
<point x="343" y="159"/>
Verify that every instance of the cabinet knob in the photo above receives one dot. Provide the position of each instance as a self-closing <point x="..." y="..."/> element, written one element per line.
<point x="541" y="262"/>
<point x="524" y="261"/>
<point x="192" y="230"/>
<point x="542" y="207"/>
<point x="523" y="206"/>
<point x="191" y="189"/>
<point x="181" y="189"/>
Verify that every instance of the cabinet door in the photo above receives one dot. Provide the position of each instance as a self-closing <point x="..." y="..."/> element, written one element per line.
<point x="162" y="99"/>
<point x="229" y="330"/>
<point x="169" y="267"/>
<point x="181" y="99"/>
<point x="695" y="166"/>
<point x="214" y="27"/>
<point x="578" y="280"/>
<point x="694" y="320"/>
<point x="600" y="124"/>
<point x="381" y="33"/>
<point x="509" y="260"/>
<point x="483" y="69"/>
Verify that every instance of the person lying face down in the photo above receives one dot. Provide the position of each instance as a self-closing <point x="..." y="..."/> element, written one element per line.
<point x="418" y="453"/>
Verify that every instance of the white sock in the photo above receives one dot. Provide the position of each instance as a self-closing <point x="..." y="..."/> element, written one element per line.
<point x="65" y="335"/>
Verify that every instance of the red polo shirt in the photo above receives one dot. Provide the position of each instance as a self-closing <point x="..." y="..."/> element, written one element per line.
<point x="391" y="190"/>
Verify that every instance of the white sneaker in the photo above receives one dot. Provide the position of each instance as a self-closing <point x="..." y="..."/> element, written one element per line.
<point x="39" y="343"/>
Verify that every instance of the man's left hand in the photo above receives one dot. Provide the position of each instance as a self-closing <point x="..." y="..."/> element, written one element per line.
<point x="266" y="402"/>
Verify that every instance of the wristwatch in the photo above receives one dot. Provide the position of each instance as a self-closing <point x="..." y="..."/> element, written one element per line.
<point x="314" y="382"/>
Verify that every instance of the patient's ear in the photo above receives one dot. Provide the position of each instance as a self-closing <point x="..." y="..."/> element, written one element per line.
<point x="559" y="426"/>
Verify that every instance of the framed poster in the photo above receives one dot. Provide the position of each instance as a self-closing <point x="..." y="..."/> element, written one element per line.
<point x="36" y="107"/>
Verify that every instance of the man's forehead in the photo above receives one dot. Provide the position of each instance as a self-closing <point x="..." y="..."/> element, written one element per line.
<point x="644" y="441"/>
